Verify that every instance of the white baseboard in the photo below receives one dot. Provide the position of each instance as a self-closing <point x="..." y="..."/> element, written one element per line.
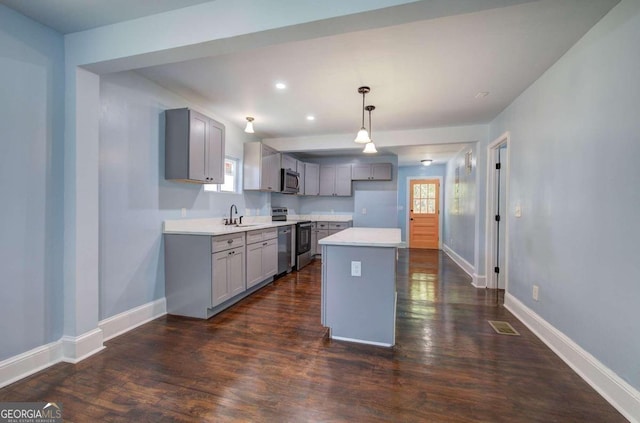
<point x="130" y="319"/>
<point x="77" y="348"/>
<point x="465" y="265"/>
<point x="624" y="397"/>
<point x="479" y="281"/>
<point x="73" y="349"/>
<point x="29" y="362"/>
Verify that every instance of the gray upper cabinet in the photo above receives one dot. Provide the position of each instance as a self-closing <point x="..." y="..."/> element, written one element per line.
<point x="311" y="179"/>
<point x="371" y="172"/>
<point x="261" y="169"/>
<point x="335" y="180"/>
<point x="194" y="147"/>
<point x="289" y="162"/>
<point x="302" y="173"/>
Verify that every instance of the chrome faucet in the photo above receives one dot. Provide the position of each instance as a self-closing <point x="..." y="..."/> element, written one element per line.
<point x="231" y="213"/>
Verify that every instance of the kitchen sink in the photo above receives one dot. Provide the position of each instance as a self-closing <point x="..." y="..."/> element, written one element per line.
<point x="245" y="225"/>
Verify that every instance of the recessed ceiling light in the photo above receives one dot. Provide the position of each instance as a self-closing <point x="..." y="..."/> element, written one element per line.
<point x="311" y="117"/>
<point x="281" y="85"/>
<point x="482" y="94"/>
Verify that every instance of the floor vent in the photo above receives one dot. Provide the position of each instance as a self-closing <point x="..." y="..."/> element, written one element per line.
<point x="503" y="328"/>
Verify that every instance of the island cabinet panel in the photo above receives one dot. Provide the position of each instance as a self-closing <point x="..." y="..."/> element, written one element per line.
<point x="194" y="147"/>
<point x="359" y="308"/>
<point x="311" y="179"/>
<point x="372" y="172"/>
<point x="335" y="180"/>
<point x="261" y="167"/>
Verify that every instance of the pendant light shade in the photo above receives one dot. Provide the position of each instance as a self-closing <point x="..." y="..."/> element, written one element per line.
<point x="363" y="135"/>
<point x="370" y="147"/>
<point x="249" y="128"/>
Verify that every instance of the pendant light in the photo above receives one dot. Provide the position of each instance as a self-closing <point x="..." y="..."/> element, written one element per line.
<point x="370" y="147"/>
<point x="363" y="135"/>
<point x="249" y="128"/>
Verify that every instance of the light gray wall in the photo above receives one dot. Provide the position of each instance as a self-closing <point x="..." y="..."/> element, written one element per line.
<point x="575" y="146"/>
<point x="460" y="217"/>
<point x="134" y="196"/>
<point x="31" y="172"/>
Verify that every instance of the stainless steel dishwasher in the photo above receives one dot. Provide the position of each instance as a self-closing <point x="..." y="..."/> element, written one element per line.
<point x="284" y="249"/>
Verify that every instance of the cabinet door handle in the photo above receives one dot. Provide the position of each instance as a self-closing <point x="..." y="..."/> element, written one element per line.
<point x="229" y="241"/>
<point x="264" y="243"/>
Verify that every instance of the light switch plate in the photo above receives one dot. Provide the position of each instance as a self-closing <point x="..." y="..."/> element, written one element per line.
<point x="356" y="268"/>
<point x="364" y="210"/>
<point x="518" y="211"/>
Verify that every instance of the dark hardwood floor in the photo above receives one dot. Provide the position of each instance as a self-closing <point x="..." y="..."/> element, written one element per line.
<point x="267" y="359"/>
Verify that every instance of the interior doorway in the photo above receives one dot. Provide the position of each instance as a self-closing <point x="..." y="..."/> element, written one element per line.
<point x="497" y="226"/>
<point x="424" y="213"/>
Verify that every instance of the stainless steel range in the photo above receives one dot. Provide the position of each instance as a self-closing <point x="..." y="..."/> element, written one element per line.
<point x="303" y="244"/>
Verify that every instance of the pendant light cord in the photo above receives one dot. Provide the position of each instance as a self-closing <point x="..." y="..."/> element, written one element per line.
<point x="363" y="94"/>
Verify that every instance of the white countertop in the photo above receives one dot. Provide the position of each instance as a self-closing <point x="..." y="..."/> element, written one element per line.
<point x="214" y="226"/>
<point x="365" y="237"/>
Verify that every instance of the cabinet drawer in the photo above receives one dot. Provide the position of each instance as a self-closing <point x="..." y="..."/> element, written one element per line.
<point x="226" y="242"/>
<point x="322" y="225"/>
<point x="270" y="233"/>
<point x="254" y="236"/>
<point x="261" y="235"/>
<point x="338" y="225"/>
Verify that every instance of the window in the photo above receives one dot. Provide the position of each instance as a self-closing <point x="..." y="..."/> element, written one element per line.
<point x="230" y="177"/>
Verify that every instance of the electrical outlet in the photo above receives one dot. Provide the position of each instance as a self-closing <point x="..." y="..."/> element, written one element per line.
<point x="535" y="292"/>
<point x="518" y="210"/>
<point x="183" y="213"/>
<point x="356" y="268"/>
<point x="364" y="210"/>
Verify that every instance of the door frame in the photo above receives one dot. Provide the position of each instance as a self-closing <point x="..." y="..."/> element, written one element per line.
<point x="408" y="207"/>
<point x="490" y="240"/>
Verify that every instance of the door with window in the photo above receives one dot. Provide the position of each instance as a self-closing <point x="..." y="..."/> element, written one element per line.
<point x="424" y="213"/>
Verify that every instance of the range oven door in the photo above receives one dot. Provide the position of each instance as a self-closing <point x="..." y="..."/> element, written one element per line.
<point x="303" y="237"/>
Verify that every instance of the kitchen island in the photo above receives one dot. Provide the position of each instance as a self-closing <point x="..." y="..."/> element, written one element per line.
<point x="359" y="285"/>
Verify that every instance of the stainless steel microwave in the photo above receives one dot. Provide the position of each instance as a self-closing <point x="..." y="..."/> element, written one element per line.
<point x="290" y="181"/>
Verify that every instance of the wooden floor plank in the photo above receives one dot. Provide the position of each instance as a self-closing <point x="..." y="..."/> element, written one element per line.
<point x="268" y="359"/>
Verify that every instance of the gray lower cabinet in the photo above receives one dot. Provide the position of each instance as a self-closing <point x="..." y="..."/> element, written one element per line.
<point x="314" y="239"/>
<point x="228" y="275"/>
<point x="262" y="255"/>
<point x="202" y="272"/>
<point x="324" y="229"/>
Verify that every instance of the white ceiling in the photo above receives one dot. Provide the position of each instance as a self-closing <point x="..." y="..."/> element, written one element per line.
<point x="422" y="74"/>
<point x="66" y="16"/>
